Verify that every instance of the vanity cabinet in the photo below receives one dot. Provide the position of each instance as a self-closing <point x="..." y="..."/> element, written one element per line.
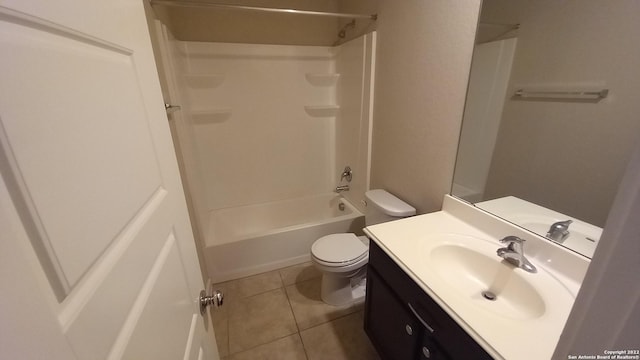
<point x="403" y="322"/>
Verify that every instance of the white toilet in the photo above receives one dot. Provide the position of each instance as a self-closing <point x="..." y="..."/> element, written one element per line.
<point x="342" y="257"/>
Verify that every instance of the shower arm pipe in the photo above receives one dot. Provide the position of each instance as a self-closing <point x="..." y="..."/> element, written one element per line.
<point x="263" y="9"/>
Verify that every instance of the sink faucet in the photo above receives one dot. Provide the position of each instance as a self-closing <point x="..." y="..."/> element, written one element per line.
<point x="514" y="253"/>
<point x="341" y="188"/>
<point x="559" y="231"/>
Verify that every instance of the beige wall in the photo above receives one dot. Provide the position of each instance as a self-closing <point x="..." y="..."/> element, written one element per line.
<point x="570" y="156"/>
<point x="423" y="61"/>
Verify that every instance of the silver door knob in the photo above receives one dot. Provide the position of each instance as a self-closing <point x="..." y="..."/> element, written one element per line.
<point x="216" y="298"/>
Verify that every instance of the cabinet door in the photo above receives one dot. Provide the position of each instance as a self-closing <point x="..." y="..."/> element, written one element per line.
<point x="447" y="340"/>
<point x="393" y="330"/>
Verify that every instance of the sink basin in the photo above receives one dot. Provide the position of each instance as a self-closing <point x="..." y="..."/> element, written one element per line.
<point x="488" y="282"/>
<point x="466" y="270"/>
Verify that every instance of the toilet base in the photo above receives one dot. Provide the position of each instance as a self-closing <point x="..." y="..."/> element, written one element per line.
<point x="340" y="290"/>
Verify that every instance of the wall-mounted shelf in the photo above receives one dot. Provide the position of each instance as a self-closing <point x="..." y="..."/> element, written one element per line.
<point x="217" y="115"/>
<point x="322" y="79"/>
<point x="322" y="110"/>
<point x="202" y="81"/>
<point x="568" y="95"/>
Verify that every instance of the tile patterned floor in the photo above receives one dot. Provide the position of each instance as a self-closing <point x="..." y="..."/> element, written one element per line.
<point x="279" y="315"/>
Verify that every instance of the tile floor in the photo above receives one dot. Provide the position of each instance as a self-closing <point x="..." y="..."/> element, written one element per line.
<point x="279" y="315"/>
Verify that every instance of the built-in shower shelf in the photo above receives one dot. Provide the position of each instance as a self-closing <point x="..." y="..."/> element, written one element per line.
<point x="322" y="110"/>
<point x="322" y="79"/>
<point x="202" y="81"/>
<point x="216" y="115"/>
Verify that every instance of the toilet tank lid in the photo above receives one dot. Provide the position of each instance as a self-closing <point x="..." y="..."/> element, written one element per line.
<point x="389" y="204"/>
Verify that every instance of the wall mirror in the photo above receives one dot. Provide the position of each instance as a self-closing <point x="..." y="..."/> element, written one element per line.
<point x="552" y="114"/>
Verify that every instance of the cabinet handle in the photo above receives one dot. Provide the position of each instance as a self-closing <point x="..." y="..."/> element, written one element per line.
<point x="408" y="329"/>
<point x="426" y="352"/>
<point x="420" y="318"/>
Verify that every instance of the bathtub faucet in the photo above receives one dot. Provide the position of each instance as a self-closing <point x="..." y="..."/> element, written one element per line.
<point x="342" y="188"/>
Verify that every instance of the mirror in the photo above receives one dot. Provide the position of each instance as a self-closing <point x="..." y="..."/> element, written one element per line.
<point x="552" y="114"/>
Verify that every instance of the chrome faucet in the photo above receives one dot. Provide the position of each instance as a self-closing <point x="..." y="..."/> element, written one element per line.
<point x="559" y="231"/>
<point x="341" y="188"/>
<point x="514" y="253"/>
<point x="347" y="174"/>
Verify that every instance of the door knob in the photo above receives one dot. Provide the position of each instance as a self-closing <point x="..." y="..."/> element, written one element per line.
<point x="216" y="298"/>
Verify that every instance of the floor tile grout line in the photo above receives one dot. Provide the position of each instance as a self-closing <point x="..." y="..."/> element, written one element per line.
<point x="256" y="294"/>
<point x="228" y="337"/>
<point x="282" y="284"/>
<point x="304" y="348"/>
<point x="332" y="320"/>
<point x="267" y="343"/>
<point x="299" y="333"/>
<point x="283" y="287"/>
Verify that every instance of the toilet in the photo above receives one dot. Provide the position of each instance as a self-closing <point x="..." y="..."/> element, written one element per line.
<point x="342" y="258"/>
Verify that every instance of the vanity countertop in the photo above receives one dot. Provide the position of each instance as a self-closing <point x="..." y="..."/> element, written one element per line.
<point x="513" y="328"/>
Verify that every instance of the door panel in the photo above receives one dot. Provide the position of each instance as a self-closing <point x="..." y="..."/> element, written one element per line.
<point x="69" y="119"/>
<point x="165" y="288"/>
<point x="88" y="161"/>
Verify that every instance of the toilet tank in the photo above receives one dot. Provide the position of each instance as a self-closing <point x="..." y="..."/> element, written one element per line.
<point x="383" y="206"/>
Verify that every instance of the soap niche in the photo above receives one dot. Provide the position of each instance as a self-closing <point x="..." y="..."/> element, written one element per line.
<point x="322" y="110"/>
<point x="323" y="79"/>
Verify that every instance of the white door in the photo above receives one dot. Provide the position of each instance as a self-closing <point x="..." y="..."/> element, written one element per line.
<point x="97" y="259"/>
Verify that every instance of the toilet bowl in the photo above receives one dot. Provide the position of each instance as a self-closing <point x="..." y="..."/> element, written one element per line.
<point x="342" y="258"/>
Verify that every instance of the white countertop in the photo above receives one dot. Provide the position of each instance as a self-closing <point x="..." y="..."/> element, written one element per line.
<point x="504" y="334"/>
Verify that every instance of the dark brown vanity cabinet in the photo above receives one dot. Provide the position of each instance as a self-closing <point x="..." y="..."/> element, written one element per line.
<point x="403" y="322"/>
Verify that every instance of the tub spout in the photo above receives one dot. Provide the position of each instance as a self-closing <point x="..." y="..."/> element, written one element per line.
<point x="342" y="188"/>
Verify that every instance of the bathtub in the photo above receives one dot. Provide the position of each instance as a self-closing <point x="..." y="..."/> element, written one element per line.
<point x="251" y="239"/>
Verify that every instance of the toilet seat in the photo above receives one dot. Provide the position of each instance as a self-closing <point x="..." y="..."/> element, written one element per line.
<point x="339" y="250"/>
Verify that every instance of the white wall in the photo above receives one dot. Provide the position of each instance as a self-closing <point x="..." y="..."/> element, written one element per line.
<point x="255" y="141"/>
<point x="355" y="62"/>
<point x="273" y="122"/>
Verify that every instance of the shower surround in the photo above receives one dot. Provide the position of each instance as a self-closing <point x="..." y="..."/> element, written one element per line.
<point x="267" y="125"/>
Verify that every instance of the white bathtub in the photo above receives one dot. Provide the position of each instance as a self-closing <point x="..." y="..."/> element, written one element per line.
<point x="247" y="240"/>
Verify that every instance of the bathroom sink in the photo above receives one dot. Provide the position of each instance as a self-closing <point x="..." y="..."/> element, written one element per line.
<point x="488" y="281"/>
<point x="452" y="256"/>
<point x="467" y="269"/>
